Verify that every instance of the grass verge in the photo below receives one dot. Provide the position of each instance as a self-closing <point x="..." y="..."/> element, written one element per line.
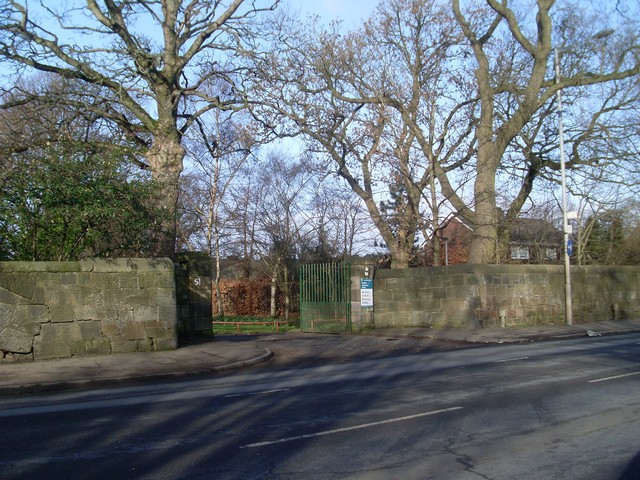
<point x="249" y="325"/>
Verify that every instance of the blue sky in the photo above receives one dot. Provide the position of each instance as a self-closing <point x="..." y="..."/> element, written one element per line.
<point x="351" y="12"/>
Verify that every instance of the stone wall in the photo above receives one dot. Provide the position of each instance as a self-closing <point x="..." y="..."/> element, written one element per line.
<point x="502" y="295"/>
<point x="64" y="309"/>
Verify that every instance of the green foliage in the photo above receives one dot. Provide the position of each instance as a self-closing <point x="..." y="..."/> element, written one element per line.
<point x="611" y="241"/>
<point x="72" y="200"/>
<point x="401" y="212"/>
<point x="632" y="245"/>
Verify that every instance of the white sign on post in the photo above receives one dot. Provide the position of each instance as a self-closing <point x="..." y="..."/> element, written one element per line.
<point x="366" y="292"/>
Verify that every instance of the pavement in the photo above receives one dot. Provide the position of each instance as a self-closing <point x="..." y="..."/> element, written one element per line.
<point x="202" y="356"/>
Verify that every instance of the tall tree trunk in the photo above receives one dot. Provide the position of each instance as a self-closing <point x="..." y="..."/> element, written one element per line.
<point x="287" y="293"/>
<point x="274" y="291"/>
<point x="166" y="160"/>
<point x="399" y="256"/>
<point x="484" y="241"/>
<point x="435" y="223"/>
<point x="218" y="276"/>
<point x="400" y="243"/>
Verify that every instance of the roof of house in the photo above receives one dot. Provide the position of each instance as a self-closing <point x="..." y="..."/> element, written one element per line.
<point x="523" y="231"/>
<point x="528" y="231"/>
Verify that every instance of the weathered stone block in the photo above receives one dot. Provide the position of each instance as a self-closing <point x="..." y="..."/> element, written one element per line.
<point x="84" y="278"/>
<point x="144" y="345"/>
<point x="53" y="296"/>
<point x="38" y="296"/>
<point x="89" y="311"/>
<point x="168" y="314"/>
<point x="128" y="281"/>
<point x="90" y="329"/>
<point x="106" y="281"/>
<point x="132" y="331"/>
<point x="461" y="291"/>
<point x="55" y="340"/>
<point x="146" y="280"/>
<point x="166" y="343"/>
<point x="7" y="315"/>
<point x="10" y="357"/>
<point x="22" y="285"/>
<point x="167" y="296"/>
<point x="62" y="313"/>
<point x="123" y="346"/>
<point x="70" y="278"/>
<point x="90" y="346"/>
<point x="145" y="313"/>
<point x="15" y="341"/>
<point x="9" y="298"/>
<point x="72" y="295"/>
<point x="110" y="329"/>
<point x="105" y="265"/>
<point x="30" y="314"/>
<point x="158" y="332"/>
<point x="420" y="319"/>
<point x="153" y="280"/>
<point x="55" y="267"/>
<point x="115" y="321"/>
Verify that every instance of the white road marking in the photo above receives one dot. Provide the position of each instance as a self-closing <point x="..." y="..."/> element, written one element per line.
<point x="614" y="377"/>
<point x="263" y="392"/>
<point x="349" y="429"/>
<point x="511" y="359"/>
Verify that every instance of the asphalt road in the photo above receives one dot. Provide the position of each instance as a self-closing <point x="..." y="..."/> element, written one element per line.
<point x="562" y="410"/>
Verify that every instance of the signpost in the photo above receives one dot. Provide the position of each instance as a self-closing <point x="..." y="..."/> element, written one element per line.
<point x="366" y="292"/>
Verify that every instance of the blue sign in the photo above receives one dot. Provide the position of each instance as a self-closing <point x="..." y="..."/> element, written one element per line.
<point x="569" y="247"/>
<point x="366" y="292"/>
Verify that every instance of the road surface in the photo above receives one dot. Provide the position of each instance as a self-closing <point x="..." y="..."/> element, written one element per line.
<point x="562" y="410"/>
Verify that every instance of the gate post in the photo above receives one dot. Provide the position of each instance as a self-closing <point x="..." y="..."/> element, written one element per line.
<point x="193" y="288"/>
<point x="361" y="317"/>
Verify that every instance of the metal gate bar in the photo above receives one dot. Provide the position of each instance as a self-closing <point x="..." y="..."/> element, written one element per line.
<point x="325" y="297"/>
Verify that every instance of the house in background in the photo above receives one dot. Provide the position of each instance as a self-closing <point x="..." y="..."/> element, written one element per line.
<point x="455" y="238"/>
<point x="531" y="240"/>
<point x="534" y="240"/>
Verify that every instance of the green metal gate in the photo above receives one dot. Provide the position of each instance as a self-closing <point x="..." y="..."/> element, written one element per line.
<point x="325" y="297"/>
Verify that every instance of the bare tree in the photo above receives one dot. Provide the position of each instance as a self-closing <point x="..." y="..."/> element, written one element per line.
<point x="218" y="151"/>
<point x="149" y="59"/>
<point x="461" y="93"/>
<point x="342" y="228"/>
<point x="243" y="218"/>
<point x="283" y="220"/>
<point x="513" y="52"/>
<point x="367" y="102"/>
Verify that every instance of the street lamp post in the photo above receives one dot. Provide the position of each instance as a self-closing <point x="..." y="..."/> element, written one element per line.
<point x="446" y="250"/>
<point x="568" y="310"/>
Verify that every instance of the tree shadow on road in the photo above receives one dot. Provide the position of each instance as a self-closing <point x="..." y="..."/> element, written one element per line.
<point x="632" y="472"/>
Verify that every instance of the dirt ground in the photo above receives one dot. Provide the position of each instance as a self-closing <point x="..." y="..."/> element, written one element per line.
<point x="308" y="349"/>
